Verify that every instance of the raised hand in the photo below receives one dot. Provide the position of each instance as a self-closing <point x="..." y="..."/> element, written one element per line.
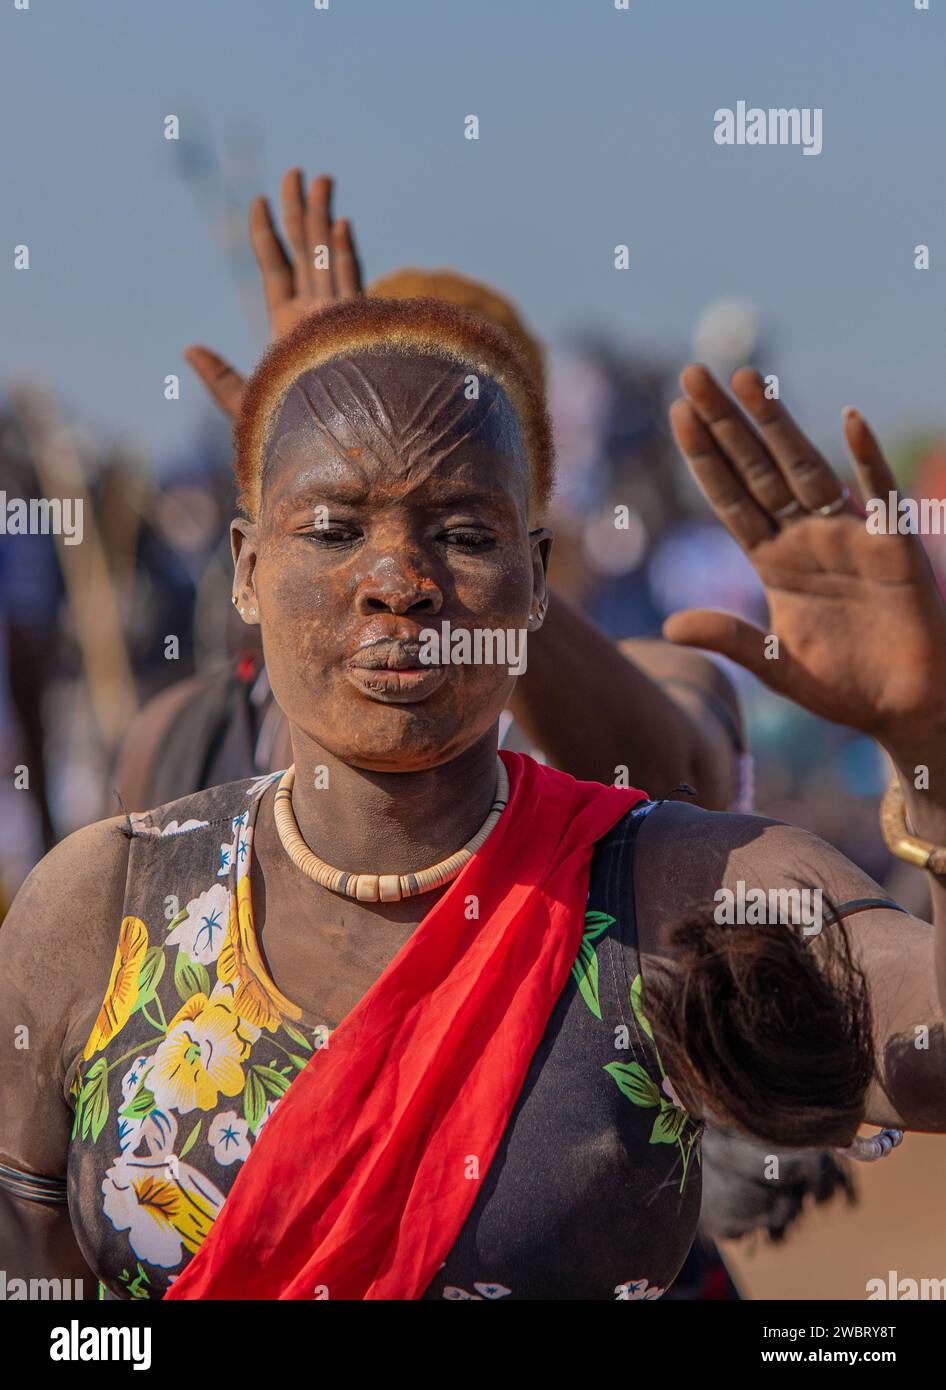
<point x="293" y="284"/>
<point x="861" y="626"/>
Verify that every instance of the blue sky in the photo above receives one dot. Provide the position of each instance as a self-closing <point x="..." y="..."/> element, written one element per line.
<point x="596" y="127"/>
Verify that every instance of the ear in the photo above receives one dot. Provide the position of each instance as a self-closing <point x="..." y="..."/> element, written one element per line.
<point x="243" y="548"/>
<point x="541" y="542"/>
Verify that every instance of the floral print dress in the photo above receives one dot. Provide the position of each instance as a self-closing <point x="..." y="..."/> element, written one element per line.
<point x="594" y="1191"/>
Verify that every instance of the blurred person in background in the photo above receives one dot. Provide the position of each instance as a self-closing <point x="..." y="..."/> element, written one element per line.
<point x="31" y="592"/>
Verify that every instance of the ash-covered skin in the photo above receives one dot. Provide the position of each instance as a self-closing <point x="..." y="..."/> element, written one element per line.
<point x="426" y="521"/>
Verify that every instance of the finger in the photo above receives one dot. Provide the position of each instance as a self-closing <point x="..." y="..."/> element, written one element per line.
<point x="737" y="440"/>
<point x="812" y="481"/>
<point x="224" y="382"/>
<point x="722" y="487"/>
<point x="729" y="636"/>
<point x="274" y="265"/>
<point x="292" y="203"/>
<point x="345" y="260"/>
<point x="318" y="223"/>
<point x="873" y="471"/>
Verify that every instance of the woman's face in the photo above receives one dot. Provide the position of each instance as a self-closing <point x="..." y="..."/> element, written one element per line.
<point x="394" y="502"/>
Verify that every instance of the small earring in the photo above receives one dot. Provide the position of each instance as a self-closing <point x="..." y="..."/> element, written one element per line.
<point x="252" y="612"/>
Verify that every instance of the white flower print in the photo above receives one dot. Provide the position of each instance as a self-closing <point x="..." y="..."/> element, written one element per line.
<point x="203" y="931"/>
<point x="482" y="1291"/>
<point x="142" y="823"/>
<point x="132" y="1078"/>
<point x="637" y="1288"/>
<point x="241" y="851"/>
<point x="238" y="850"/>
<point x="270" y="1107"/>
<point x="259" y="784"/>
<point x="153" y="1135"/>
<point x="227" y="1137"/>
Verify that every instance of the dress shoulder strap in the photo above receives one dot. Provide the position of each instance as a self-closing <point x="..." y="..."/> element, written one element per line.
<point x="612" y="911"/>
<point x="611" y="885"/>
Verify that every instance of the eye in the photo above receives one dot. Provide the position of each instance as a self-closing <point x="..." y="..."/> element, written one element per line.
<point x="468" y="538"/>
<point x="333" y="536"/>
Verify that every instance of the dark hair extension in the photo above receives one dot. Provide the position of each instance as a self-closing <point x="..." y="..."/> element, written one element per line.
<point x="773" y="1028"/>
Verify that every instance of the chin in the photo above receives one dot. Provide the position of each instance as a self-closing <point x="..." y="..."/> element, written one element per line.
<point x="408" y="739"/>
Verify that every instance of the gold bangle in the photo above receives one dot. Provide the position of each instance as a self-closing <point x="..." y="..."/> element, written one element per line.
<point x="913" y="850"/>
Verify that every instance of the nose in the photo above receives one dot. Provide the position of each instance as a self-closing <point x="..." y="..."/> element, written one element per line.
<point x="398" y="585"/>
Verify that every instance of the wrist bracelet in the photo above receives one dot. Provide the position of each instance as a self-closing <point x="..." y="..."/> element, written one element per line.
<point x="877" y="1146"/>
<point x="911" y="848"/>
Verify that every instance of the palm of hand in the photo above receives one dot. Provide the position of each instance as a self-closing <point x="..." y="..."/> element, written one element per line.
<point x="316" y="267"/>
<point x="859" y="623"/>
<point x="284" y="317"/>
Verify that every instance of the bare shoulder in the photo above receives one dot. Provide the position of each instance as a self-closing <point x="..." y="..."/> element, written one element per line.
<point x="57" y="944"/>
<point x="65" y="899"/>
<point x="64" y="921"/>
<point x="686" y="855"/>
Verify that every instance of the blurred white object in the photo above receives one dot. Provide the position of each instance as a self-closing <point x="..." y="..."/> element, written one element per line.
<point x="612" y="550"/>
<point x="726" y="334"/>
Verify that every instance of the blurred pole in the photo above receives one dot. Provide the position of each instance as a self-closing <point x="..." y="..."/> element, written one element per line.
<point x="90" y="593"/>
<point x="221" y="193"/>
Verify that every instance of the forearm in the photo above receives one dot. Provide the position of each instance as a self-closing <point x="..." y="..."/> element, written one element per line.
<point x="592" y="710"/>
<point x="921" y="770"/>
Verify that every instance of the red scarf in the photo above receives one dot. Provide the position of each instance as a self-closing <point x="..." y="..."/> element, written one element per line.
<point x="367" y="1169"/>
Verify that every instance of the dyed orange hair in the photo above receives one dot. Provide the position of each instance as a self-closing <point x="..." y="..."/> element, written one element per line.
<point x="428" y="327"/>
<point x="479" y="298"/>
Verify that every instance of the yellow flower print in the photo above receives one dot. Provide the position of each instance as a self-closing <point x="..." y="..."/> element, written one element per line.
<point x="256" y="998"/>
<point x="201" y="1057"/>
<point x="122" y="986"/>
<point x="165" y="1205"/>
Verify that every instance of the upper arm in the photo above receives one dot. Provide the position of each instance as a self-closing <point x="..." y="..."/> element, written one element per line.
<point x="687" y="856"/>
<point x="702" y="690"/>
<point x="144" y="738"/>
<point x="56" y="949"/>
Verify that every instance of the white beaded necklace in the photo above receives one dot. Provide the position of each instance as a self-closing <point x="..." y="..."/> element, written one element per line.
<point x="373" y="888"/>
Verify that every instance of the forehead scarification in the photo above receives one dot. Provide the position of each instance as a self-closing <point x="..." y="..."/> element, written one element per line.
<point x="408" y="412"/>
<point x="412" y="328"/>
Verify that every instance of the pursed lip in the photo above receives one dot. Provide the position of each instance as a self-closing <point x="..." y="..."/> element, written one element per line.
<point x="389" y="669"/>
<point x="390" y="654"/>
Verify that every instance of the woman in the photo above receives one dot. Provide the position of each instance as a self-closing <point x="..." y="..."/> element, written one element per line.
<point x="519" y="1056"/>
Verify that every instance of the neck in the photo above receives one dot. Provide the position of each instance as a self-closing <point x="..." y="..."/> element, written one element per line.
<point x="384" y="822"/>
